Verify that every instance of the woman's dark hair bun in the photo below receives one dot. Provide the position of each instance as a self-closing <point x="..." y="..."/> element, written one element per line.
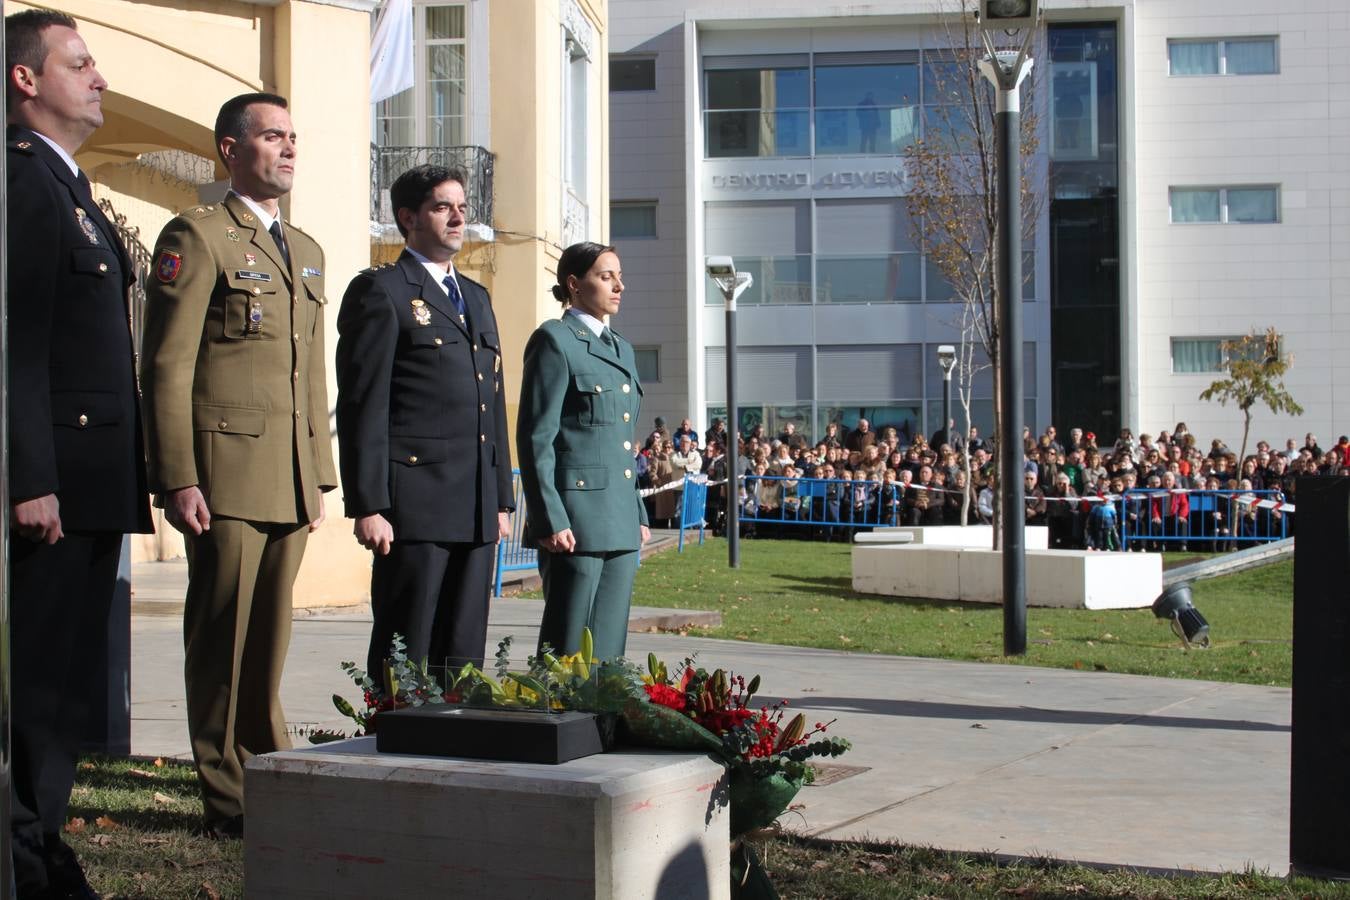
<point x="560" y="293"/>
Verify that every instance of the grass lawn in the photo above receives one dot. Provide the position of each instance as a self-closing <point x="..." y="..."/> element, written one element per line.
<point x="799" y="593"/>
<point x="136" y="827"/>
<point x="850" y="871"/>
<point x="138" y="840"/>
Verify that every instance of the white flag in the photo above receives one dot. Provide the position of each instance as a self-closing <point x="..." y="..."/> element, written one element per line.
<point x="391" y="51"/>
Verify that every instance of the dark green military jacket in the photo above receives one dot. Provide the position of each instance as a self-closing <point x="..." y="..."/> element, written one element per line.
<point x="579" y="402"/>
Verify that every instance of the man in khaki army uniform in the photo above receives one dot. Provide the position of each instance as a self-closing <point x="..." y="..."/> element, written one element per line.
<point x="237" y="438"/>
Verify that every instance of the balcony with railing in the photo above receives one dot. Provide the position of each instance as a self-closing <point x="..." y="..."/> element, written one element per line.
<point x="388" y="163"/>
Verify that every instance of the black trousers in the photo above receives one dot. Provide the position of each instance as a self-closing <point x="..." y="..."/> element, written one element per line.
<point x="436" y="596"/>
<point x="60" y="595"/>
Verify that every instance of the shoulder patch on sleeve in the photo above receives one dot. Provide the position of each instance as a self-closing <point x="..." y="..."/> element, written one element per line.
<point x="167" y="265"/>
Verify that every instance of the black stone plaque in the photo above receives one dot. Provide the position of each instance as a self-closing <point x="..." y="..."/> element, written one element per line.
<point x="506" y="735"/>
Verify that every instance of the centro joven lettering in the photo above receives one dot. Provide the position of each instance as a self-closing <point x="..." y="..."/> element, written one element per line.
<point x="847" y="179"/>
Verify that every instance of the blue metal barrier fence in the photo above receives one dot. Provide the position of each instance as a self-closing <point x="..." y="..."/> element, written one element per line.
<point x="693" y="504"/>
<point x="512" y="554"/>
<point x="1219" y="519"/>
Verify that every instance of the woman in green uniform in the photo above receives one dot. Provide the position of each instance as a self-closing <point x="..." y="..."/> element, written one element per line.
<point x="579" y="402"/>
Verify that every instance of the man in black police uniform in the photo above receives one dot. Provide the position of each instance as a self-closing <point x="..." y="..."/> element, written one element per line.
<point x="421" y="421"/>
<point x="77" y="480"/>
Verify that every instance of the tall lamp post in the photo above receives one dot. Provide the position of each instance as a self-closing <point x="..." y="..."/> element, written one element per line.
<point x="722" y="270"/>
<point x="947" y="359"/>
<point x="1005" y="69"/>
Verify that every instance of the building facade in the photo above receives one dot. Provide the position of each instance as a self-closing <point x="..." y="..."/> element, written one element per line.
<point x="1185" y="185"/>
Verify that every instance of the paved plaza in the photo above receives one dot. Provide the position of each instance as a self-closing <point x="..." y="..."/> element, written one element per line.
<point x="1088" y="766"/>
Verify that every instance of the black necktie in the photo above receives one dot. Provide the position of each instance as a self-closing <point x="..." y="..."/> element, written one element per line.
<point x="84" y="185"/>
<point x="275" y="231"/>
<point x="452" y="288"/>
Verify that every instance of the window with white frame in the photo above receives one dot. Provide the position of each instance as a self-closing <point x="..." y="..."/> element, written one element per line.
<point x="434" y="112"/>
<point x="1225" y="205"/>
<point x="1223" y="56"/>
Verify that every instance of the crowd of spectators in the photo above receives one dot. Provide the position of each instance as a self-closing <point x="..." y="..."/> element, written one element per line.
<point x="1088" y="493"/>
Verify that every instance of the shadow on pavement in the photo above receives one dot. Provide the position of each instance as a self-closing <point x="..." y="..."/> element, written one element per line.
<point x="925" y="710"/>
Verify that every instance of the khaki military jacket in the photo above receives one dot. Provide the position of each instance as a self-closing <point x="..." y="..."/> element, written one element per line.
<point x="235" y="395"/>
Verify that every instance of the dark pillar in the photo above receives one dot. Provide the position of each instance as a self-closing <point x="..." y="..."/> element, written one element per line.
<point x="1319" y="795"/>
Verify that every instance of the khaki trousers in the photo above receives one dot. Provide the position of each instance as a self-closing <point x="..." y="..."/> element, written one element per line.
<point x="236" y="630"/>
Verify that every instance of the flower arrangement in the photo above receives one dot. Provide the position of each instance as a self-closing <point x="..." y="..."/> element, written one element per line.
<point x="767" y="758"/>
<point x="551" y="683"/>
<point x="766" y="753"/>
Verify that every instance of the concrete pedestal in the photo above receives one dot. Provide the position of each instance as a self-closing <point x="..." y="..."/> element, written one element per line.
<point x="342" y="821"/>
<point x="1073" y="579"/>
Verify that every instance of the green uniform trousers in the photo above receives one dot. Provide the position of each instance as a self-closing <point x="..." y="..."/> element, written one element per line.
<point x="587" y="590"/>
<point x="236" y="630"/>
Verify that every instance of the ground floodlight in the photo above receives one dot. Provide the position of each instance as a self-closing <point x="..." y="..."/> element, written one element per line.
<point x="1174" y="604"/>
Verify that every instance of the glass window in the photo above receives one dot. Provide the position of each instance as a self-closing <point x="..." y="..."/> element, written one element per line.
<point x="1208" y="354"/>
<point x="1193" y="57"/>
<point x="1251" y="204"/>
<point x="434" y="112"/>
<point x="627" y="73"/>
<point x="648" y="364"/>
<point x="632" y="220"/>
<point x="866" y="109"/>
<point x="866" y="252"/>
<point x="1223" y="56"/>
<point x="769" y="239"/>
<point x="1256" y="204"/>
<point x="1250" y="57"/>
<point x="1195" y="205"/>
<point x="950" y="91"/>
<point x="758" y="112"/>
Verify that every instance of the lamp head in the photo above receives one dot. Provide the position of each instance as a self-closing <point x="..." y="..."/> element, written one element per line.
<point x="1008" y="15"/>
<point x="946" y="354"/>
<point x="1174" y="604"/>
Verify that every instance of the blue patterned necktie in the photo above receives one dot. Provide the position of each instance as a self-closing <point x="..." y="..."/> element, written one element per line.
<point x="455" y="296"/>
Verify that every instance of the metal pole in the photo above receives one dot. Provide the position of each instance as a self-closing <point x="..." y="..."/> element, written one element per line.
<point x="1009" y="269"/>
<point x="733" y="439"/>
<point x="947" y="406"/>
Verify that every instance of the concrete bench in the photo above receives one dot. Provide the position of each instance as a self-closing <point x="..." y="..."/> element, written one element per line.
<point x="343" y="821"/>
<point x="887" y="536"/>
<point x="1073" y="579"/>
<point x="973" y="536"/>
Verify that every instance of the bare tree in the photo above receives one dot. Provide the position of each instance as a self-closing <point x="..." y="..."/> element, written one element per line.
<point x="952" y="199"/>
<point x="1255" y="374"/>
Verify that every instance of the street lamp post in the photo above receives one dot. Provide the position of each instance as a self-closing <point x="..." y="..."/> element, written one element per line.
<point x="722" y="270"/>
<point x="1005" y="69"/>
<point x="947" y="359"/>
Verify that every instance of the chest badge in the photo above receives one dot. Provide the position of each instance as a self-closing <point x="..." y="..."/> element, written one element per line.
<point x="421" y="312"/>
<point x="86" y="225"/>
<point x="251" y="259"/>
<point x="255" y="317"/>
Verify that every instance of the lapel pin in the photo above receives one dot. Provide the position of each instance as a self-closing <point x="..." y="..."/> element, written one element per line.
<point x="232" y="234"/>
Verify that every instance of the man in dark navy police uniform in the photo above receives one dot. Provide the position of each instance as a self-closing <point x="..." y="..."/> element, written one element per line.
<point x="77" y="477"/>
<point x="421" y="422"/>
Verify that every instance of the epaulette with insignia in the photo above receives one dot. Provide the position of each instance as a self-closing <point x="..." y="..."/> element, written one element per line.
<point x="198" y="212"/>
<point x="22" y="145"/>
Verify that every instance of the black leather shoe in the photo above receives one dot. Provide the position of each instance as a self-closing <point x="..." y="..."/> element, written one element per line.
<point x="65" y="877"/>
<point x="226" y="829"/>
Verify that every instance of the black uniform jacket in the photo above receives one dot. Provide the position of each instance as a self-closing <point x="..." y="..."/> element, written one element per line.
<point x="75" y="424"/>
<point x="421" y="408"/>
